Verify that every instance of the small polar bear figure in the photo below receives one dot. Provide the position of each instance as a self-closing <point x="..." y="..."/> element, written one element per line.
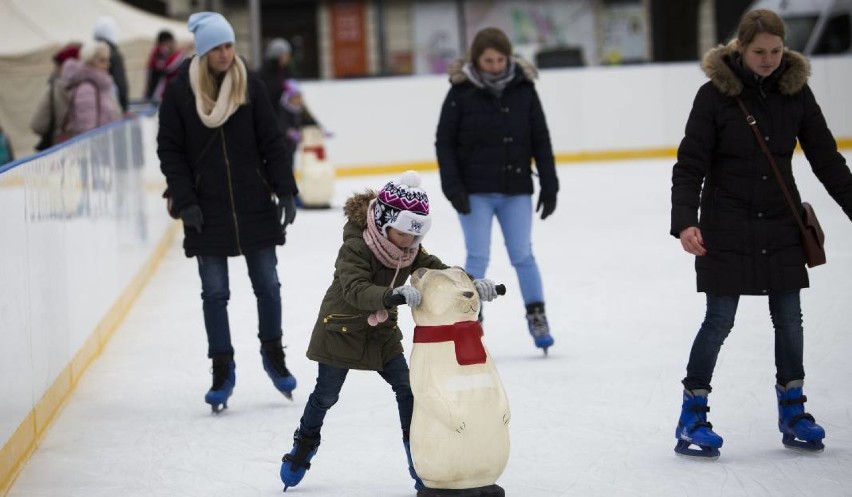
<point x="460" y="425"/>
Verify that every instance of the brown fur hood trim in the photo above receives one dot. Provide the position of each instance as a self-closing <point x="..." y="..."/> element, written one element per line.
<point x="458" y="76"/>
<point x="715" y="65"/>
<point x="355" y="208"/>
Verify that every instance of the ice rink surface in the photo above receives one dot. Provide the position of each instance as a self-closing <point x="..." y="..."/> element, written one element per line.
<point x="595" y="418"/>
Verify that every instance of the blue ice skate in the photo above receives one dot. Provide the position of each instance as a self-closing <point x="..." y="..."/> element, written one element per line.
<point x="273" y="363"/>
<point x="418" y="483"/>
<point x="798" y="428"/>
<point x="224" y="379"/>
<point x="538" y="326"/>
<point x="694" y="429"/>
<point x="298" y="460"/>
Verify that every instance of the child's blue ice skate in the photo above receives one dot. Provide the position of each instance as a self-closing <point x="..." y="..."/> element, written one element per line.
<point x="693" y="428"/>
<point x="273" y="363"/>
<point x="298" y="460"/>
<point x="798" y="428"/>
<point x="224" y="379"/>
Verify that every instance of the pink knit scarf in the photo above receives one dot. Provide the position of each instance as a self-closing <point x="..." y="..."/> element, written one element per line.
<point x="388" y="254"/>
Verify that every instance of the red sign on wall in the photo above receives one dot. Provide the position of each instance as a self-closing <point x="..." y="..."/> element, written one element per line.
<point x="348" y="39"/>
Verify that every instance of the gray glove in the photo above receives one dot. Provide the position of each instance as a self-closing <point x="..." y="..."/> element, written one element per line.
<point x="486" y="289"/>
<point x="410" y="295"/>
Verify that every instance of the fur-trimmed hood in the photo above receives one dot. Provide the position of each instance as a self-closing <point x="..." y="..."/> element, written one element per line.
<point x="458" y="76"/>
<point x="355" y="208"/>
<point x="717" y="65"/>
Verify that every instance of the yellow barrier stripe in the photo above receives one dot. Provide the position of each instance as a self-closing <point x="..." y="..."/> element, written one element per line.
<point x="21" y="445"/>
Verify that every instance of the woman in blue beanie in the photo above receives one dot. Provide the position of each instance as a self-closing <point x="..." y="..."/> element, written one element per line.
<point x="229" y="177"/>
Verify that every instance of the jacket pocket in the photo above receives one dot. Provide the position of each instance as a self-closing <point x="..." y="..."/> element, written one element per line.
<point x="346" y="338"/>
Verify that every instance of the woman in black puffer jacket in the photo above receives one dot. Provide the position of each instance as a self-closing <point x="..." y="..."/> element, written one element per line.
<point x="491" y="128"/>
<point x="746" y="241"/>
<point x="225" y="163"/>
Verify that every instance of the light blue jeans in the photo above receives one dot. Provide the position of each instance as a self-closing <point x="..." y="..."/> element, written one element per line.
<point x="514" y="213"/>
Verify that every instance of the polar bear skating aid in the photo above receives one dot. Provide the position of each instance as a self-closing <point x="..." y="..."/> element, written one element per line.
<point x="459" y="429"/>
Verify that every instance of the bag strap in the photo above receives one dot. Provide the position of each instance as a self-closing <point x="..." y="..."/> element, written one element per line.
<point x="752" y="122"/>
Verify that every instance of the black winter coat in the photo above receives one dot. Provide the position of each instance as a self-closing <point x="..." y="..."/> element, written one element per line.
<point x="232" y="172"/>
<point x="485" y="143"/>
<point x="752" y="240"/>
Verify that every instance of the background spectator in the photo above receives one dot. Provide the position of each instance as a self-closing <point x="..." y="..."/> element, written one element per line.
<point x="107" y="31"/>
<point x="52" y="109"/>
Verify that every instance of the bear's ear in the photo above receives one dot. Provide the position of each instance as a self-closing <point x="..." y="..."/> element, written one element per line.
<point x="417" y="276"/>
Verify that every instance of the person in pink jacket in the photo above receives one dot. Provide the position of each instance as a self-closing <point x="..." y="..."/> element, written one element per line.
<point x="92" y="100"/>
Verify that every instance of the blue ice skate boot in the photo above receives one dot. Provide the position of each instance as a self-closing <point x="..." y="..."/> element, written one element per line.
<point x="224" y="379"/>
<point x="693" y="428"/>
<point x="798" y="428"/>
<point x="539" y="329"/>
<point x="273" y="363"/>
<point x="295" y="463"/>
<point x="418" y="483"/>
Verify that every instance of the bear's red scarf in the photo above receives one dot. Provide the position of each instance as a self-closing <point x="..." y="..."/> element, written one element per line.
<point x="465" y="335"/>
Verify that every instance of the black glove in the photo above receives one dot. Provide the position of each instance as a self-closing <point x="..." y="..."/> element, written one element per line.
<point x="192" y="217"/>
<point x="461" y="203"/>
<point x="286" y="210"/>
<point x="548" y="202"/>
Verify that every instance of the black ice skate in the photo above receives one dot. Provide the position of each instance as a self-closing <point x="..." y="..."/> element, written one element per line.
<point x="224" y="379"/>
<point x="539" y="328"/>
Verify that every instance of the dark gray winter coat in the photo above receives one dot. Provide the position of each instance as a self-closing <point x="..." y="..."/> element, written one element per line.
<point x="231" y="172"/>
<point x="752" y="240"/>
<point x="486" y="144"/>
<point x="341" y="336"/>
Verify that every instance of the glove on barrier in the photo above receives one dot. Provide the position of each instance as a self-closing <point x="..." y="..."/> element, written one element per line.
<point x="192" y="217"/>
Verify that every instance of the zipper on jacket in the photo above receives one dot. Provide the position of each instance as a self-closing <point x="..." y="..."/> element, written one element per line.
<point x="231" y="193"/>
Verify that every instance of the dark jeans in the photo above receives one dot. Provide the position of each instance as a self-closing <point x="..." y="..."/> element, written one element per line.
<point x="327" y="391"/>
<point x="215" y="293"/>
<point x="786" y="312"/>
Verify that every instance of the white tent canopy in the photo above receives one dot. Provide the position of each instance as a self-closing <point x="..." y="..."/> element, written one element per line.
<point x="32" y="31"/>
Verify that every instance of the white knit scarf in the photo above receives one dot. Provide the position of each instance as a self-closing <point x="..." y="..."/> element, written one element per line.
<point x="224" y="106"/>
<point x="388" y="254"/>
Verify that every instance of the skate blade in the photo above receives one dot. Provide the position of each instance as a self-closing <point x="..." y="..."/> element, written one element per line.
<point x="682" y="449"/>
<point x="812" y="447"/>
<point x="217" y="408"/>
<point x="289" y="395"/>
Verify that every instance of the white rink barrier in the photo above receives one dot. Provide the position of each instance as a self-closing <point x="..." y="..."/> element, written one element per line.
<point x="594" y="113"/>
<point x="80" y="235"/>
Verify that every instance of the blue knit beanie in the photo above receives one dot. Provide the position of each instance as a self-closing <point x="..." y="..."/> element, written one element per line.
<point x="211" y="29"/>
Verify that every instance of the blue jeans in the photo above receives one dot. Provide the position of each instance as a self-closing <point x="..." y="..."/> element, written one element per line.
<point x="215" y="293"/>
<point x="327" y="391"/>
<point x="786" y="313"/>
<point x="514" y="213"/>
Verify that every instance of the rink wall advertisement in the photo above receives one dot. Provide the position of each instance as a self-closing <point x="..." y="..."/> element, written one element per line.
<point x="83" y="224"/>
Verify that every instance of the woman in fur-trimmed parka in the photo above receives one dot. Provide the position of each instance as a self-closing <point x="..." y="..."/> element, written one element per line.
<point x="746" y="241"/>
<point x="492" y="127"/>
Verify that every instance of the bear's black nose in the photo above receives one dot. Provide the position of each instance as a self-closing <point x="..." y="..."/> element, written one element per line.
<point x="467" y="295"/>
